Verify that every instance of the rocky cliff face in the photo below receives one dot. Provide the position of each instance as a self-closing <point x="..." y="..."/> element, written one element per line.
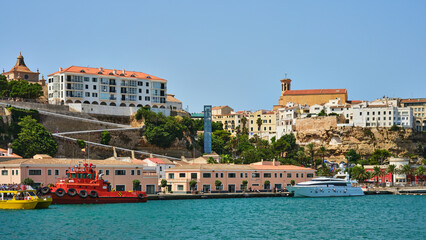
<point x="365" y="141"/>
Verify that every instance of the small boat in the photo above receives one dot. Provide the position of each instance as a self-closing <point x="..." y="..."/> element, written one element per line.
<point x="326" y="187"/>
<point x="17" y="199"/>
<point x="84" y="185"/>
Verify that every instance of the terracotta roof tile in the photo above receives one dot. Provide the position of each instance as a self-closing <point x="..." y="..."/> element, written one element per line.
<point x="315" y="91"/>
<point x="108" y="72"/>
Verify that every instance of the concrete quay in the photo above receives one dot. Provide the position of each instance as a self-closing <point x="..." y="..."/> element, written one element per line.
<point x="178" y="196"/>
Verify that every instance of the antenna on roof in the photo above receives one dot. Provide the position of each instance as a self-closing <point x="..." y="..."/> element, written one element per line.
<point x="285" y="75"/>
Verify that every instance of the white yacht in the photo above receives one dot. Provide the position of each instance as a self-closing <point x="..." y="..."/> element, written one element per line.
<point x="325" y="187"/>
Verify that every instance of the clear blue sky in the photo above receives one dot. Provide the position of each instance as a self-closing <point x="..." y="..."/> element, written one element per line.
<point x="229" y="52"/>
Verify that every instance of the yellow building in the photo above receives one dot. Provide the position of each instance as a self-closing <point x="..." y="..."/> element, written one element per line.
<point x="308" y="97"/>
<point x="419" y="112"/>
<point x="232" y="121"/>
<point x="267" y="128"/>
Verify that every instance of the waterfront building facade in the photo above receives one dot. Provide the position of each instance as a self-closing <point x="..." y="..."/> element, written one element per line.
<point x="160" y="165"/>
<point x="262" y="176"/>
<point x="419" y="112"/>
<point x="102" y="91"/>
<point x="44" y="170"/>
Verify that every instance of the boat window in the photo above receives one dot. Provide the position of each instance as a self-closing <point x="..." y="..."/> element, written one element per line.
<point x="31" y="193"/>
<point x="79" y="175"/>
<point x="89" y="176"/>
<point x="73" y="175"/>
<point x="84" y="175"/>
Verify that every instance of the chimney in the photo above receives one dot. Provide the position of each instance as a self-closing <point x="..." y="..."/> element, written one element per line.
<point x="273" y="162"/>
<point x="101" y="69"/>
<point x="133" y="154"/>
<point x="124" y="71"/>
<point x="60" y="69"/>
<point x="9" y="151"/>
<point x="150" y="155"/>
<point x="114" y="71"/>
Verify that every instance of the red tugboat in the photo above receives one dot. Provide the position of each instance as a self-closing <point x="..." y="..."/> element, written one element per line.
<point x="84" y="185"/>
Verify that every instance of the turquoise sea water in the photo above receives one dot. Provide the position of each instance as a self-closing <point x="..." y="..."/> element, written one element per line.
<point x="369" y="217"/>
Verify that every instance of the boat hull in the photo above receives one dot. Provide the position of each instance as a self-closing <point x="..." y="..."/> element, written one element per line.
<point x="18" y="204"/>
<point x="99" y="200"/>
<point x="335" y="191"/>
<point x="43" y="202"/>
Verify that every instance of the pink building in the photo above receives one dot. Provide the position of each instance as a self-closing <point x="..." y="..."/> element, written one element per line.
<point x="231" y="177"/>
<point x="43" y="170"/>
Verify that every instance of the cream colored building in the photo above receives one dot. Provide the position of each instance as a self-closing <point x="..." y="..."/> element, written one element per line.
<point x="221" y="110"/>
<point x="419" y="112"/>
<point x="232" y="121"/>
<point x="268" y="128"/>
<point x="232" y="176"/>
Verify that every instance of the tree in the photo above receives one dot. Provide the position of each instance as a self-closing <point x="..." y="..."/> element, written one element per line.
<point x="406" y="170"/>
<point x="163" y="184"/>
<point x="259" y="125"/>
<point x="292" y="182"/>
<point x="352" y="157"/>
<point x="322" y="113"/>
<point x="280" y="146"/>
<point x="136" y="185"/>
<point x="311" y="149"/>
<point x="105" y="137"/>
<point x="392" y="170"/>
<point x="377" y="172"/>
<point x="218" y="183"/>
<point x="324" y="170"/>
<point x="244" y="182"/>
<point x="380" y="156"/>
<point x="301" y="156"/>
<point x="244" y="123"/>
<point x="267" y="184"/>
<point x="322" y="150"/>
<point x="81" y="143"/>
<point x="28" y="181"/>
<point x="192" y="184"/>
<point x="359" y="173"/>
<point x="33" y="139"/>
<point x="211" y="160"/>
<point x="419" y="172"/>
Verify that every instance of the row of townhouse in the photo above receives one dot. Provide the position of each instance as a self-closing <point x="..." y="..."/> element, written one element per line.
<point x="406" y="113"/>
<point x="261" y="176"/>
<point x="44" y="170"/>
<point x="109" y="91"/>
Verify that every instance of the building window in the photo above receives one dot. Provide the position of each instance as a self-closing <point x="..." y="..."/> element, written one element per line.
<point x="281" y="175"/>
<point x="49" y="172"/>
<point x="180" y="187"/>
<point x="87" y="86"/>
<point x="182" y="175"/>
<point x="171" y="176"/>
<point x="147" y="84"/>
<point x="309" y="175"/>
<point x="4" y="172"/>
<point x="94" y="95"/>
<point x="120" y="187"/>
<point x="217" y="175"/>
<point x="231" y="175"/>
<point x="301" y="175"/>
<point x="86" y="79"/>
<point x="132" y="172"/>
<point x="120" y="172"/>
<point x="193" y="175"/>
<point x="289" y="175"/>
<point x="34" y="172"/>
<point x="207" y="175"/>
<point x="94" y="80"/>
<point x="297" y="175"/>
<point x="221" y="175"/>
<point x="246" y="175"/>
<point x="100" y="171"/>
<point x="255" y="175"/>
<point x="138" y="172"/>
<point x="267" y="175"/>
<point x="241" y="175"/>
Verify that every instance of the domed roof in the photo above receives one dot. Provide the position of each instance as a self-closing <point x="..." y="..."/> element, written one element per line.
<point x="20" y="65"/>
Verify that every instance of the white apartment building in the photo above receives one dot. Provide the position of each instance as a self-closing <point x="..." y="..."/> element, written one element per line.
<point x="107" y="91"/>
<point x="287" y="117"/>
<point x="382" y="116"/>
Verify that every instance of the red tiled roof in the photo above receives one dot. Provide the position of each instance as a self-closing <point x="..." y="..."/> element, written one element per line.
<point x="280" y="167"/>
<point x="219" y="107"/>
<point x="377" y="106"/>
<point x="156" y="160"/>
<point x="354" y="101"/>
<point x="314" y="91"/>
<point x="108" y="72"/>
<point x="171" y="98"/>
<point x="413" y="100"/>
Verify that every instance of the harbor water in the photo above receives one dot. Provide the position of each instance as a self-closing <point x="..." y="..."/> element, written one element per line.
<point x="368" y="217"/>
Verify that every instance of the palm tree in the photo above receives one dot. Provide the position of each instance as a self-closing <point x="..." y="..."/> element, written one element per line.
<point x="377" y="172"/>
<point x="311" y="149"/>
<point x="406" y="170"/>
<point x="244" y="122"/>
<point x="419" y="172"/>
<point x="301" y="156"/>
<point x="392" y="170"/>
<point x="259" y="125"/>
<point x="322" y="150"/>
